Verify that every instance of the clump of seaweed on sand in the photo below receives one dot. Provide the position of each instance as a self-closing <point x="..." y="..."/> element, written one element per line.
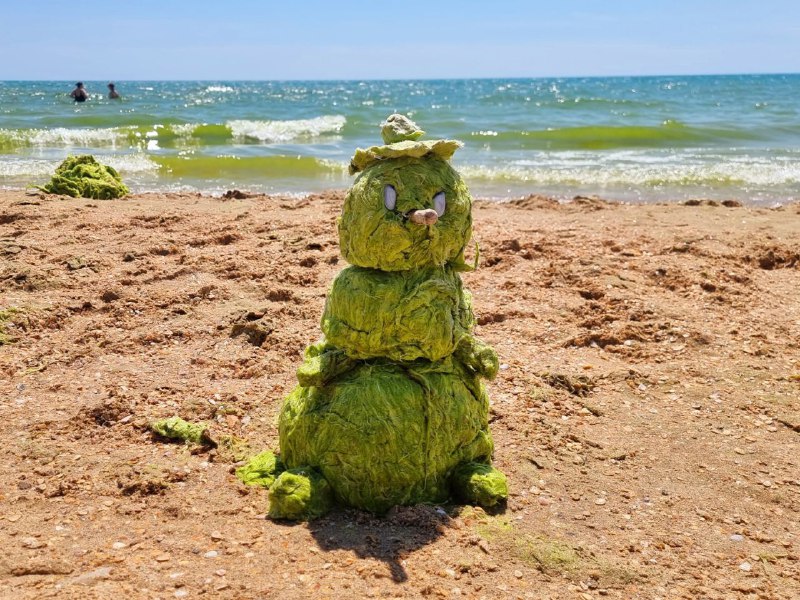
<point x="84" y="177"/>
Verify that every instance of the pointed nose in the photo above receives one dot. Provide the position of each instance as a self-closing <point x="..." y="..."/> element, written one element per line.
<point x="427" y="216"/>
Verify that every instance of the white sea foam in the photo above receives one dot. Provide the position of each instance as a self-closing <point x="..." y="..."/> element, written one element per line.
<point x="181" y="130"/>
<point x="62" y="136"/>
<point x="286" y="131"/>
<point x="726" y="172"/>
<point x="27" y="167"/>
<point x="131" y="163"/>
<point x="20" y="168"/>
<point x="219" y="88"/>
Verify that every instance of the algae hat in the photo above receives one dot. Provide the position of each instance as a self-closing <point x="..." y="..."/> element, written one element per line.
<point x="401" y="138"/>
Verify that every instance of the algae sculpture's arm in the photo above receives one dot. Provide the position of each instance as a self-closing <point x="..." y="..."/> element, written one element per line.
<point x="323" y="362"/>
<point x="478" y="356"/>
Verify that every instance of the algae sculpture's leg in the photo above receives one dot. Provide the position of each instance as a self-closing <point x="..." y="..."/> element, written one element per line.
<point x="262" y="469"/>
<point x="478" y="483"/>
<point x="300" y="495"/>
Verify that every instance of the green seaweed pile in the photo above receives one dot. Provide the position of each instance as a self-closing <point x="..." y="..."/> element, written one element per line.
<point x="175" y="428"/>
<point x="83" y="177"/>
<point x="391" y="408"/>
<point x="8" y="316"/>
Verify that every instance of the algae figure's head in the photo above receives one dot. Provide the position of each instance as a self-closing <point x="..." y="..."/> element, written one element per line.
<point x="408" y="208"/>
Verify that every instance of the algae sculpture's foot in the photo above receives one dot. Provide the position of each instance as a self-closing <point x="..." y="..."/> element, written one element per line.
<point x="300" y="495"/>
<point x="262" y="469"/>
<point x="478" y="483"/>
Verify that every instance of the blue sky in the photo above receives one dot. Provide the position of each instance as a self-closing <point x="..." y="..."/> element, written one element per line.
<point x="252" y="39"/>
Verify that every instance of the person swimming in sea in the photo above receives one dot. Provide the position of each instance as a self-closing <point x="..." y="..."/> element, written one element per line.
<point x="112" y="92"/>
<point x="79" y="94"/>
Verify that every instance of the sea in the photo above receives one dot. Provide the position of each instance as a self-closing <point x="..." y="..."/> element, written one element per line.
<point x="637" y="139"/>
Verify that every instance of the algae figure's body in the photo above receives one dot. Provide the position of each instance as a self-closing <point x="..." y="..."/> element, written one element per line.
<point x="391" y="409"/>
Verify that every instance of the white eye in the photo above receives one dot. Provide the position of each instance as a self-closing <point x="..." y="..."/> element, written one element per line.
<point x="389" y="197"/>
<point x="439" y="203"/>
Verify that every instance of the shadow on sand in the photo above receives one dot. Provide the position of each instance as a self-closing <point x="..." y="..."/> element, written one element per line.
<point x="389" y="539"/>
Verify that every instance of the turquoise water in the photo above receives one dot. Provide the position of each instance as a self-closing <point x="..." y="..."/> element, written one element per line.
<point x="629" y="138"/>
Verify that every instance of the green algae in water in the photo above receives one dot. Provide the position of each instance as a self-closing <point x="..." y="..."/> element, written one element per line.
<point x="262" y="469"/>
<point x="176" y="428"/>
<point x="83" y="177"/>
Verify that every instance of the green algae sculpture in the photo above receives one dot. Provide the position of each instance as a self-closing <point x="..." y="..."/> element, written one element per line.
<point x="390" y="408"/>
<point x="83" y="177"/>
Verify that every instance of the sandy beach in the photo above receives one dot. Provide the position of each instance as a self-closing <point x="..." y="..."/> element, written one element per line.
<point x="647" y="411"/>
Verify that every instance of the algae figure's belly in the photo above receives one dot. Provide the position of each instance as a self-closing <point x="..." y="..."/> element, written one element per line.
<point x="400" y="315"/>
<point x="384" y="435"/>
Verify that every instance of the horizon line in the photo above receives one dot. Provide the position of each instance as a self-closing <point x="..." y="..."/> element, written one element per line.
<point x="476" y="78"/>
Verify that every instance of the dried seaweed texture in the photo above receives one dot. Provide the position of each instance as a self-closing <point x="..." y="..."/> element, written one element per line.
<point x="400" y="315"/>
<point x="375" y="237"/>
<point x="83" y="177"/>
<point x="300" y="494"/>
<point x="385" y="434"/>
<point x="363" y="159"/>
<point x="261" y="469"/>
<point x="399" y="128"/>
<point x="323" y="362"/>
<point x="479" y="483"/>
<point x="177" y="429"/>
<point x="478" y="356"/>
<point x="8" y="316"/>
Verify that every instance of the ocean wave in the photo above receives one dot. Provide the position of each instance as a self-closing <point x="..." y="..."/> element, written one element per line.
<point x="133" y="136"/>
<point x="131" y="163"/>
<point x="126" y="164"/>
<point x="63" y="136"/>
<point x="287" y="131"/>
<point x="27" y="167"/>
<point x="650" y="174"/>
<point x="209" y="133"/>
<point x="248" y="167"/>
<point x="219" y="88"/>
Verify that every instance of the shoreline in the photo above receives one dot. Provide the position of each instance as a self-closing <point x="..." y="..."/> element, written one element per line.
<point x="646" y="412"/>
<point x="562" y="197"/>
